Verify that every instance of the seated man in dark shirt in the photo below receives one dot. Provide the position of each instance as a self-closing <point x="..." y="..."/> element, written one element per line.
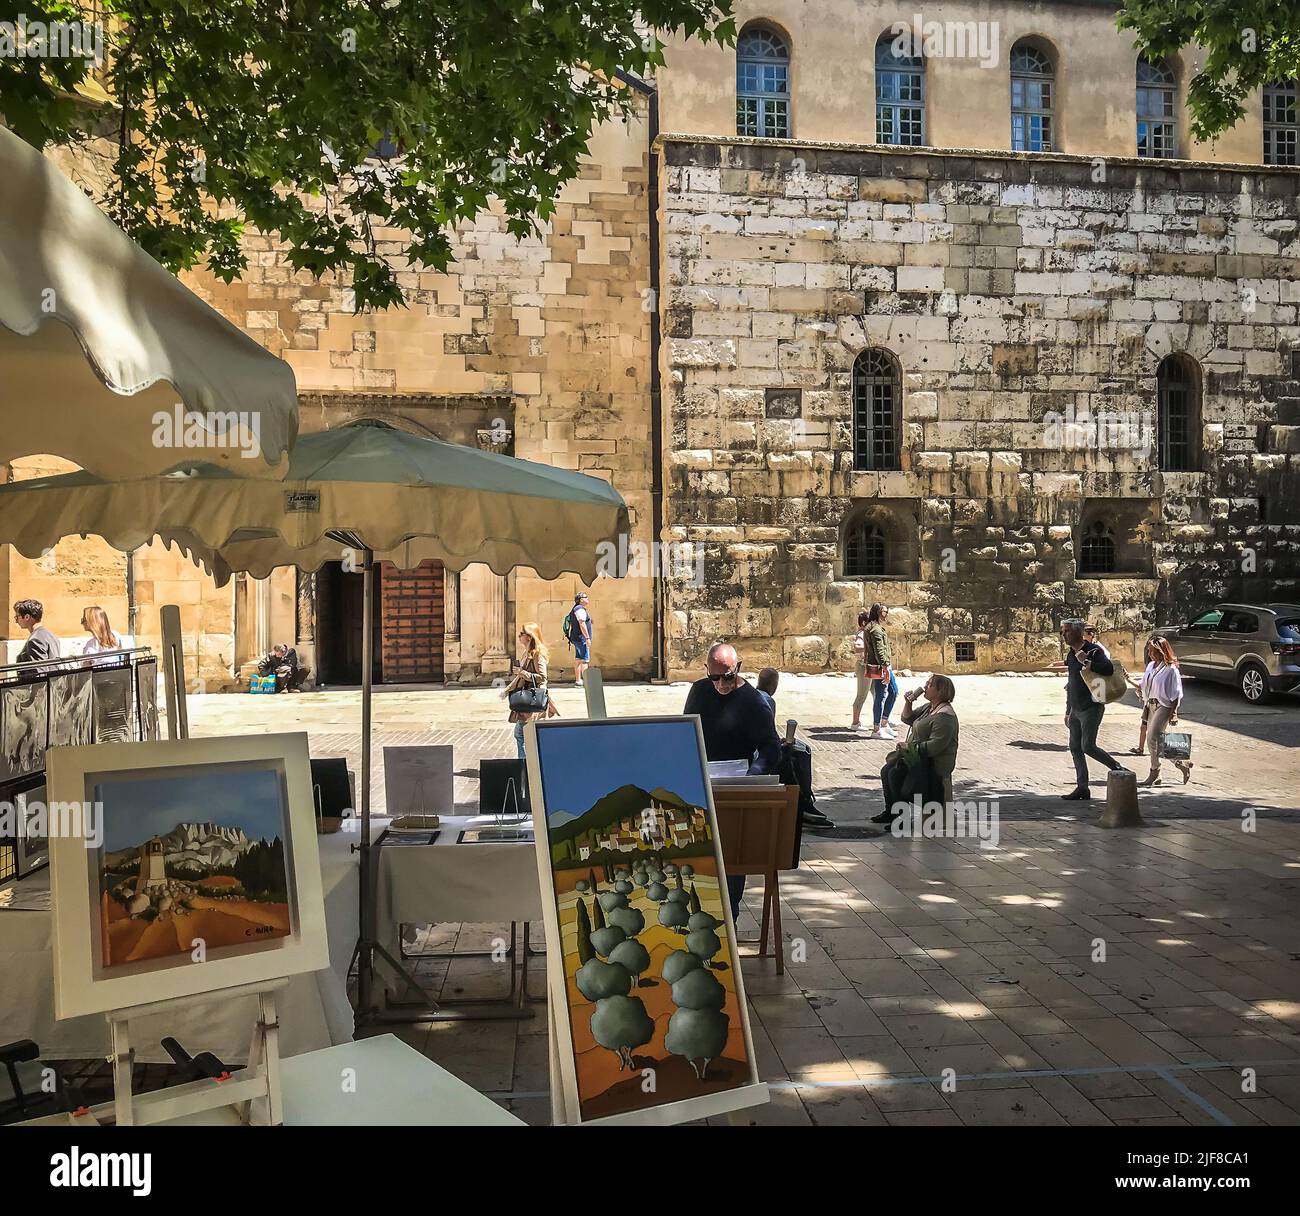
<point x="283" y="663"/>
<point x="737" y="724"/>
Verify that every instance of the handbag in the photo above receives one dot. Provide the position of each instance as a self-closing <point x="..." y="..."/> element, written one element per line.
<point x="530" y="700"/>
<point x="1105" y="689"/>
<point x="1177" y="745"/>
<point x="875" y="672"/>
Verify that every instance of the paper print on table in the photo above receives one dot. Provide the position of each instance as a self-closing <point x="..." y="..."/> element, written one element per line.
<point x="24" y="725"/>
<point x="649" y="967"/>
<point x="146" y="699"/>
<point x="72" y="710"/>
<point x="113" y="705"/>
<point x="419" y="780"/>
<point x="191" y="854"/>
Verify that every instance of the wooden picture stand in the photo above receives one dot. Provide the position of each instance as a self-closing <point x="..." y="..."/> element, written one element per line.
<point x="251" y="1095"/>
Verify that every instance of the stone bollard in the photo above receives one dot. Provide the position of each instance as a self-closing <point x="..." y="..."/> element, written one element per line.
<point x="1121" y="801"/>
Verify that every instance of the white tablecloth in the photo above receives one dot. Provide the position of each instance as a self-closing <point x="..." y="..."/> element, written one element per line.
<point x="313" y="1009"/>
<point x="450" y="883"/>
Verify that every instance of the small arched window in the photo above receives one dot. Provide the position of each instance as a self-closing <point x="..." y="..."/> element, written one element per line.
<point x="900" y="91"/>
<point x="1157" y="123"/>
<point x="1033" y="99"/>
<point x="1282" y="123"/>
<point x="762" y="84"/>
<point x="1097" y="549"/>
<point x="1178" y="391"/>
<point x="877" y="411"/>
<point x="866" y="552"/>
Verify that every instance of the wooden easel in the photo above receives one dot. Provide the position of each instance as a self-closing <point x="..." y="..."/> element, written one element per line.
<point x="259" y="1082"/>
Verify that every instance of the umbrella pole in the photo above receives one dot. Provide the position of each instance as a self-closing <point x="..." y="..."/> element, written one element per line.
<point x="366" y="947"/>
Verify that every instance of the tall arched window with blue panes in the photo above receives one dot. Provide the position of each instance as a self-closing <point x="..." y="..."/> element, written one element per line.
<point x="762" y="84"/>
<point x="1033" y="99"/>
<point x="900" y="91"/>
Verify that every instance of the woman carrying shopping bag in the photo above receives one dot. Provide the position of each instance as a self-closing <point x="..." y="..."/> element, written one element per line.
<point x="1161" y="689"/>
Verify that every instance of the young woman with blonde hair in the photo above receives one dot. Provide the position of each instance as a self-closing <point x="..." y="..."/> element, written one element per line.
<point x="102" y="638"/>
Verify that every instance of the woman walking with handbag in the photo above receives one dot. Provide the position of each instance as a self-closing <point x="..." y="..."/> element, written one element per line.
<point x="527" y="692"/>
<point x="879" y="672"/>
<point x="1161" y="689"/>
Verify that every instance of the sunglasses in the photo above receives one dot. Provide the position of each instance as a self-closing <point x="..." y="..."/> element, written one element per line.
<point x="726" y="675"/>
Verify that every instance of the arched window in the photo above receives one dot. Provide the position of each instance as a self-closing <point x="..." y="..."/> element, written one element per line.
<point x="900" y="91"/>
<point x="1097" y="549"/>
<point x="1157" y="126"/>
<point x="1178" y="391"/>
<point x="762" y="84"/>
<point x="1282" y="123"/>
<point x="877" y="411"/>
<point x="865" y="550"/>
<point x="1033" y="98"/>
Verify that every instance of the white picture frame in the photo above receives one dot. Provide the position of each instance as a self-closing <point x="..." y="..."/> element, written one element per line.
<point x="83" y="983"/>
<point x="567" y="1102"/>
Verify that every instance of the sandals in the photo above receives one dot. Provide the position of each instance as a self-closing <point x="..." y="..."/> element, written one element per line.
<point x="1137" y="751"/>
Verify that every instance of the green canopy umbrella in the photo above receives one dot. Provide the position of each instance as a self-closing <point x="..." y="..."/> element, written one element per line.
<point x="380" y="492"/>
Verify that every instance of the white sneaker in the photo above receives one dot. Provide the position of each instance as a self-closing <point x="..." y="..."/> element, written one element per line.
<point x="856" y="726"/>
<point x="887" y="732"/>
<point x="577" y="683"/>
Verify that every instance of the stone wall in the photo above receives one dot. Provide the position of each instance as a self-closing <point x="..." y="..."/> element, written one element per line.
<point x="1008" y="289"/>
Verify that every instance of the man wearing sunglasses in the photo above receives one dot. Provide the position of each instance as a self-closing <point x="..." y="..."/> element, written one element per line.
<point x="737" y="725"/>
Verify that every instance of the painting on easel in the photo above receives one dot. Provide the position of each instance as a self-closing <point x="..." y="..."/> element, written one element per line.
<point x="639" y="930"/>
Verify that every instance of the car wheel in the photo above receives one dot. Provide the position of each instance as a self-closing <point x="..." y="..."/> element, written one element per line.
<point x="1252" y="681"/>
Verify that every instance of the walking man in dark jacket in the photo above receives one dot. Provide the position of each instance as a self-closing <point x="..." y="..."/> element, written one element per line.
<point x="1082" y="714"/>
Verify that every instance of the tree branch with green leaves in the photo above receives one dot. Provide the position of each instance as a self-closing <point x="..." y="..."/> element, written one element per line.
<point x="266" y="114"/>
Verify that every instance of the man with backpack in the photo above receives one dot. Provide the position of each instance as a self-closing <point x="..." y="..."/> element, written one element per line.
<point x="577" y="632"/>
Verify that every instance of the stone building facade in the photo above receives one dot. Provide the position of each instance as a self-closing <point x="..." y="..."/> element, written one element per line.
<point x="1004" y="321"/>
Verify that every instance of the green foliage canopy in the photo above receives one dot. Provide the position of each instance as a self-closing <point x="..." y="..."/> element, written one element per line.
<point x="230" y="113"/>
<point x="1248" y="43"/>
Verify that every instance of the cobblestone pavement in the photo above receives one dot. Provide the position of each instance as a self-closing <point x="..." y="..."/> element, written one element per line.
<point x="1067" y="975"/>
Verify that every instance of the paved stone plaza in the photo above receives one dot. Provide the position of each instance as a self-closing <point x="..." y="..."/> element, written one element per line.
<point x="908" y="958"/>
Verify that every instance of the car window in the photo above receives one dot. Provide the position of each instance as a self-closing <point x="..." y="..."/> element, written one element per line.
<point x="1240" y="622"/>
<point x="1209" y="621"/>
<point x="1289" y="631"/>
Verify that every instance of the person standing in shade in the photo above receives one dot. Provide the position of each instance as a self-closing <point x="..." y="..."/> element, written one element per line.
<point x="534" y="661"/>
<point x="577" y="631"/>
<point x="879" y="658"/>
<point x="1083" y="715"/>
<point x="737" y="725"/>
<point x="768" y="679"/>
<point x="41" y="643"/>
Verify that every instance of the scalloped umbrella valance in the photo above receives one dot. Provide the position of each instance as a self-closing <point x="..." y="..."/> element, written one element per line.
<point x="404" y="496"/>
<point x="99" y="344"/>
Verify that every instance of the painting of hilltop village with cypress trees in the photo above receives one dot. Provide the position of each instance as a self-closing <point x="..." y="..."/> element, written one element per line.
<point x="650" y="971"/>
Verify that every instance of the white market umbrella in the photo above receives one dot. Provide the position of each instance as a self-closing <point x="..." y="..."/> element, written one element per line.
<point x="97" y="340"/>
<point x="368" y="487"/>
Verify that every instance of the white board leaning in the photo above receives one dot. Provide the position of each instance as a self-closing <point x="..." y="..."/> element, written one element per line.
<point x="181" y="868"/>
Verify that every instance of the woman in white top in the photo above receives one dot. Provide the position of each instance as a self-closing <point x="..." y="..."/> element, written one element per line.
<point x="102" y="638"/>
<point x="1161" y="689"/>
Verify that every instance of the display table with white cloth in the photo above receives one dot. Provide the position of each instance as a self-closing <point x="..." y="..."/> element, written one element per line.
<point x="313" y="1009"/>
<point x="451" y="883"/>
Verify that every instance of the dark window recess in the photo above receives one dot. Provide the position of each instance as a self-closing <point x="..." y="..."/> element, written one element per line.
<point x="1097" y="549"/>
<point x="877" y="412"/>
<point x="964" y="652"/>
<point x="1263" y="509"/>
<point x="864" y="551"/>
<point x="783" y="402"/>
<point x="1180" y="414"/>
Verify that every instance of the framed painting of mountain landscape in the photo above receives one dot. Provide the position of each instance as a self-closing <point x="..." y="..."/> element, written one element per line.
<point x="648" y="1014"/>
<point x="182" y="867"/>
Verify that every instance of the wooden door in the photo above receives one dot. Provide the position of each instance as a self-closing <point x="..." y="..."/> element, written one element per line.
<point x="411" y="623"/>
